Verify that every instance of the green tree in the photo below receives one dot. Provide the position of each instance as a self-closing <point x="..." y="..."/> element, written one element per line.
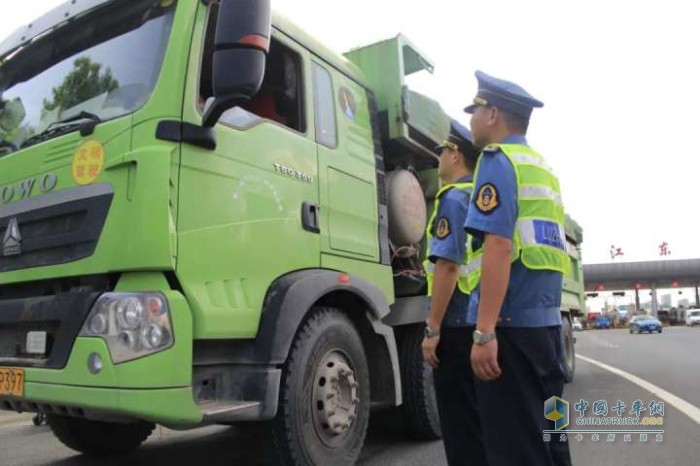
<point x="81" y="84"/>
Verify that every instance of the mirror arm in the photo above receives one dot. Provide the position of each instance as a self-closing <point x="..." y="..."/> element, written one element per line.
<point x="218" y="106"/>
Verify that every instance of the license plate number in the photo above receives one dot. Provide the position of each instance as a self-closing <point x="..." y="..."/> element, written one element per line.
<point x="11" y="381"/>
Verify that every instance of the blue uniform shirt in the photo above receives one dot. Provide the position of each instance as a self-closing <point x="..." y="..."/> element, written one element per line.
<point x="533" y="298"/>
<point x="451" y="245"/>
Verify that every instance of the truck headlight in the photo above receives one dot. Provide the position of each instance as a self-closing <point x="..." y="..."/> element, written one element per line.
<point x="129" y="312"/>
<point x="132" y="324"/>
<point x="98" y="323"/>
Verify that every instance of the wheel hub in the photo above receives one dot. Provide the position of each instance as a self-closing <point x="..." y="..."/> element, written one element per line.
<point x="336" y="394"/>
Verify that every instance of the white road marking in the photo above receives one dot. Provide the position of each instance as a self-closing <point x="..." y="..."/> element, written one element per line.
<point x="693" y="412"/>
<point x="12" y="419"/>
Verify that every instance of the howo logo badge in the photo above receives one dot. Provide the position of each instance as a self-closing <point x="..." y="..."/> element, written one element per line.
<point x="11" y="241"/>
<point x="23" y="189"/>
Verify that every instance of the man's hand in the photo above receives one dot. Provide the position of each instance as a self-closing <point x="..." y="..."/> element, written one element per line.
<point x="485" y="361"/>
<point x="429" y="347"/>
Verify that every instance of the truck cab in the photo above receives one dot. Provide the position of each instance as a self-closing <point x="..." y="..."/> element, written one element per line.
<point x="192" y="198"/>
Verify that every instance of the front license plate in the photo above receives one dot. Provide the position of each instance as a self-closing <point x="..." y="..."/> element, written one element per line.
<point x="11" y="381"/>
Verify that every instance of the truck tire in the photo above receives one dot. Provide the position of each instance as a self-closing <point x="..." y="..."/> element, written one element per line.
<point x="419" y="410"/>
<point x="95" y="438"/>
<point x="324" y="395"/>
<point x="569" y="352"/>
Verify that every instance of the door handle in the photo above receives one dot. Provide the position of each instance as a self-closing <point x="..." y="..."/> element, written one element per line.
<point x="309" y="217"/>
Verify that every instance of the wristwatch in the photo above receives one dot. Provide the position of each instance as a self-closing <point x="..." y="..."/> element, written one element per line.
<point x="431" y="333"/>
<point x="481" y="338"/>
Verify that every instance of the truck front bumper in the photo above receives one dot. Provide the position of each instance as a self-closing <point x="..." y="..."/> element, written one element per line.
<point x="167" y="406"/>
<point x="156" y="387"/>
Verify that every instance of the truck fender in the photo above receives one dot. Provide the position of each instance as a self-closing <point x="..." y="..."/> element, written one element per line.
<point x="287" y="303"/>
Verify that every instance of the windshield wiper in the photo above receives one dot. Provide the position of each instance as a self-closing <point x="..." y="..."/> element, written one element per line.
<point x="83" y="115"/>
<point x="64" y="126"/>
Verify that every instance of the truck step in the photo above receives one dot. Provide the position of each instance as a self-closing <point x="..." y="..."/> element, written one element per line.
<point x="230" y="411"/>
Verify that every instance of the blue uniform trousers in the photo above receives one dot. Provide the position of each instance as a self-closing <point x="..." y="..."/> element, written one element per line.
<point x="500" y="423"/>
<point x="511" y="408"/>
<point x="456" y="398"/>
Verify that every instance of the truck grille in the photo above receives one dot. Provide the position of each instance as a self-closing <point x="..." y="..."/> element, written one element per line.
<point x="55" y="228"/>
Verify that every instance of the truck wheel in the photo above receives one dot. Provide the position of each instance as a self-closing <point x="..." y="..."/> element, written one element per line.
<point x="97" y="438"/>
<point x="324" y="396"/>
<point x="569" y="352"/>
<point x="419" y="409"/>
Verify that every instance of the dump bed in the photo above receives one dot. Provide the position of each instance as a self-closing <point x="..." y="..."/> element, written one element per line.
<point x="411" y="123"/>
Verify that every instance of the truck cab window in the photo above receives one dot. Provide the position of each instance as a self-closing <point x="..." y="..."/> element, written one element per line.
<point x="324" y="107"/>
<point x="280" y="98"/>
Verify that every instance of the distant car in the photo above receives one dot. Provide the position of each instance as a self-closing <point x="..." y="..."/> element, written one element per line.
<point x="649" y="324"/>
<point x="601" y="322"/>
<point x="692" y="317"/>
<point x="576" y="325"/>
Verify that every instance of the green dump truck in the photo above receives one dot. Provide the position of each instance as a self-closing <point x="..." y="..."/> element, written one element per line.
<point x="573" y="298"/>
<point x="208" y="217"/>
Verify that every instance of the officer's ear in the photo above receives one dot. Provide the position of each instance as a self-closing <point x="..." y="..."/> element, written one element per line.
<point x="492" y="114"/>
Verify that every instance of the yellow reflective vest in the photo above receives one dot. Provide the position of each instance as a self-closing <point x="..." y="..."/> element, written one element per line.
<point x="539" y="240"/>
<point x="465" y="284"/>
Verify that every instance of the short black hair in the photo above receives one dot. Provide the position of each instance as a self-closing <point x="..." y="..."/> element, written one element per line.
<point x="516" y="123"/>
<point x="469" y="157"/>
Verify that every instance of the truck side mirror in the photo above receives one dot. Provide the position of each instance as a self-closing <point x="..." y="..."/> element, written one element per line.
<point x="241" y="43"/>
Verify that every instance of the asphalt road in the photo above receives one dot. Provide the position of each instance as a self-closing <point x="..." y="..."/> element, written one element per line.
<point x="668" y="361"/>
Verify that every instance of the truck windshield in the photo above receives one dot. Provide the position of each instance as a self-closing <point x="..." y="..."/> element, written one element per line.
<point x="104" y="64"/>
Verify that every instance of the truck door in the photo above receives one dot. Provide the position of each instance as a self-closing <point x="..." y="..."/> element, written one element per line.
<point x="346" y="161"/>
<point x="247" y="208"/>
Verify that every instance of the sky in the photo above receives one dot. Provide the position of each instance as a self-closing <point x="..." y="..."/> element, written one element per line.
<point x="620" y="83"/>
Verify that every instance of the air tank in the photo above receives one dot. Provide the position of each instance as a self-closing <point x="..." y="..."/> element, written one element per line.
<point x="407" y="210"/>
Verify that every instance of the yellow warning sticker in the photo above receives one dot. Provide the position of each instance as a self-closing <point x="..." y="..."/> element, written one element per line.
<point x="88" y="162"/>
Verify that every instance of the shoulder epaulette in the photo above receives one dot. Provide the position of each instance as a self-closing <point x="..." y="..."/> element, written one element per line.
<point x="491" y="149"/>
